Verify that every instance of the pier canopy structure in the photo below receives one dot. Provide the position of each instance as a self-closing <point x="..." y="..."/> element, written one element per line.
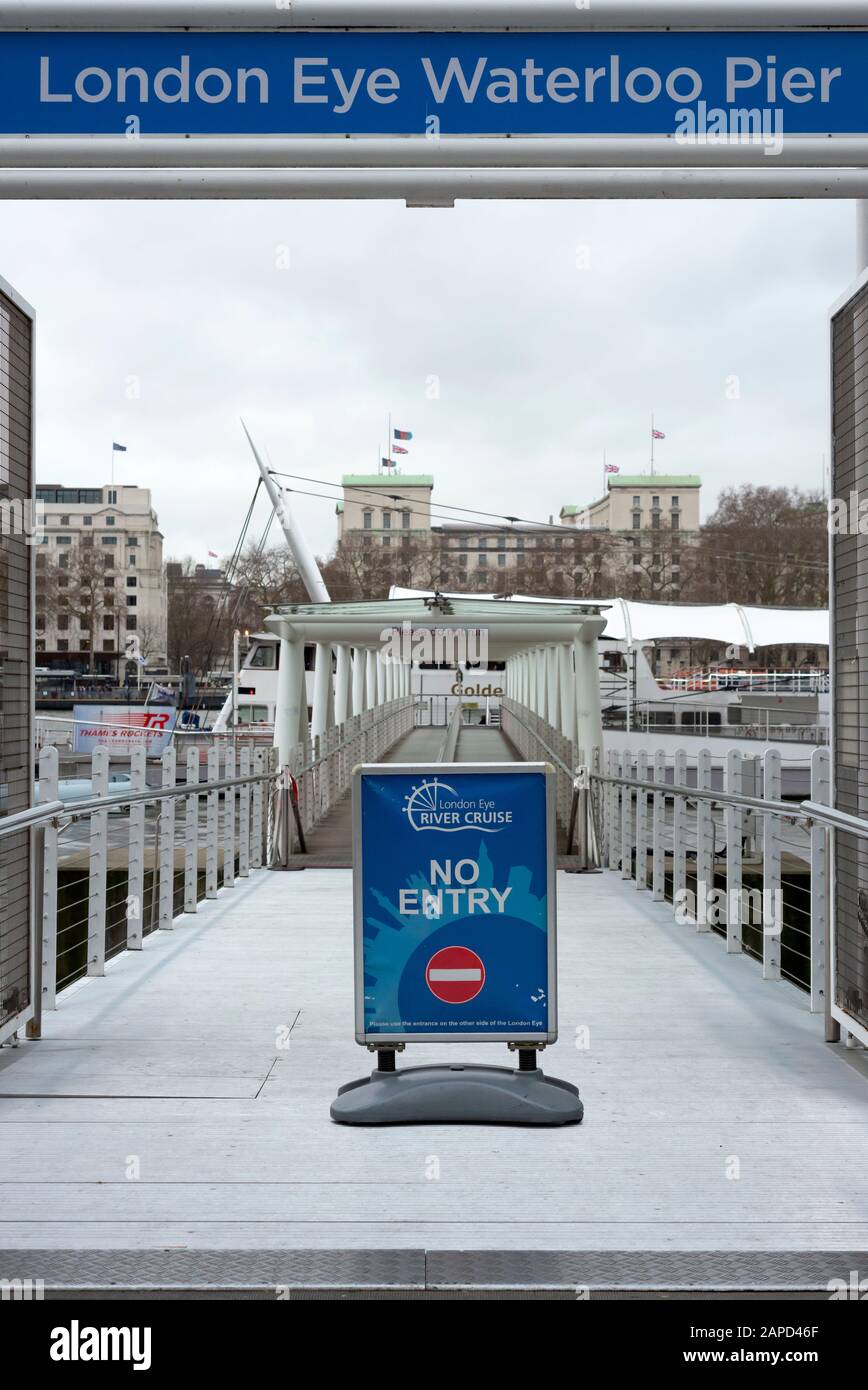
<point x="549" y="652"/>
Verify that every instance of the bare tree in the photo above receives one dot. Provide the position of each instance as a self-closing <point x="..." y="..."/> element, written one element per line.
<point x="765" y="546"/>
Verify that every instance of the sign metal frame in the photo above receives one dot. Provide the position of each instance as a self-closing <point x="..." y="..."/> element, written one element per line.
<point x="387" y="1040"/>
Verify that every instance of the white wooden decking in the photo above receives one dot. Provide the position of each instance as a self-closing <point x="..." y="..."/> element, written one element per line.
<point x="162" y="1111"/>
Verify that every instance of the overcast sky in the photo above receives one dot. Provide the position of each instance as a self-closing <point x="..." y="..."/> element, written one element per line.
<point x="553" y="329"/>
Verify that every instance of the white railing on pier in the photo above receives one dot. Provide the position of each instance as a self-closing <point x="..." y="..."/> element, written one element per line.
<point x="113" y="860"/>
<point x="319" y="771"/>
<point x="722" y="847"/>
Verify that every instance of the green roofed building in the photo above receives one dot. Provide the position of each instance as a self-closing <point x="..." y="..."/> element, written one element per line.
<point x="641" y="502"/>
<point x="380" y="504"/>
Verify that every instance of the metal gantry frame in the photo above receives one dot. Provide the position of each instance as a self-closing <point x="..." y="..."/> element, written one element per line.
<point x="427" y="171"/>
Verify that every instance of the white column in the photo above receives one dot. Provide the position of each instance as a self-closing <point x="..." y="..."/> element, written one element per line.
<point x="540" y="660"/>
<point x="342" y="684"/>
<point x="567" y="690"/>
<point x="358" y="680"/>
<point x="524" y="680"/>
<point x="290" y="712"/>
<point x="589" y="720"/>
<point x="370" y="679"/>
<point x="322" y="690"/>
<point x="389" y="670"/>
<point x="553" y="687"/>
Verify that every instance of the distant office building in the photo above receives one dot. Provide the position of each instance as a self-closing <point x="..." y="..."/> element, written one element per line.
<point x="16" y="651"/>
<point x="100" y="584"/>
<point x="641" y="502"/>
<point x="630" y="538"/>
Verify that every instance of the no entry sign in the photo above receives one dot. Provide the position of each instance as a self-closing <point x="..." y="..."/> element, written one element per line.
<point x="454" y="902"/>
<point x="455" y="974"/>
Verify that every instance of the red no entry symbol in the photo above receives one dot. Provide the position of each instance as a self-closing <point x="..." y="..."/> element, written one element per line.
<point x="455" y="974"/>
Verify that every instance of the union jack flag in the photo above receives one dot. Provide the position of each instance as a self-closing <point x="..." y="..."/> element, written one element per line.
<point x="657" y="434"/>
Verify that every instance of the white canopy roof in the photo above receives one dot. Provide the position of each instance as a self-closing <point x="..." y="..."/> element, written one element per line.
<point x="733" y="623"/>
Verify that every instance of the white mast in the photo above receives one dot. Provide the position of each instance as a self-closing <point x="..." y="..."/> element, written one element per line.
<point x="298" y="546"/>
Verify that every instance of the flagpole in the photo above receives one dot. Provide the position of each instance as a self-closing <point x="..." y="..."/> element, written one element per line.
<point x="652" y="444"/>
<point x="389" y="446"/>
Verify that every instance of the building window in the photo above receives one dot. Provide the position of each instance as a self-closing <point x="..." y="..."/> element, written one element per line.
<point x="462" y="560"/>
<point x="483" y="560"/>
<point x="483" y="542"/>
<point x="108" y="622"/>
<point x="131" y="622"/>
<point x="131" y="600"/>
<point x="387" y="521"/>
<point x="501" y="560"/>
<point x="63" y="561"/>
<point x="367" y="520"/>
<point x="108" y="644"/>
<point x="655" y="501"/>
<point x="675" y="502"/>
<point x="132" y="540"/>
<point x="519" y="542"/>
<point x="131" y="559"/>
<point x="87" y="520"/>
<point x="405" y="520"/>
<point x="501" y="542"/>
<point x="62" y="622"/>
<point x="387" y="541"/>
<point x="62" y="644"/>
<point x="637" y="521"/>
<point x="637" y="501"/>
<point x="559" y="542"/>
<point x="676" y="521"/>
<point x="655" y="521"/>
<point x="109" y="521"/>
<point x="109" y="540"/>
<point x="63" y="540"/>
<point x="131" y="583"/>
<point x="113" y="496"/>
<point x="64" y="521"/>
<point x="87" y="540"/>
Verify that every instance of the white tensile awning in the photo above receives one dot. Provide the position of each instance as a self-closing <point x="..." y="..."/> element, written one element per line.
<point x="733" y="623"/>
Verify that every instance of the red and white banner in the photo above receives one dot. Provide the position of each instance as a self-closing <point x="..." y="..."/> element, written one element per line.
<point x="122" y="727"/>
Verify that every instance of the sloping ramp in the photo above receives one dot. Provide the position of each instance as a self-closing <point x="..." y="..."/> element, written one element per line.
<point x="329" y="844"/>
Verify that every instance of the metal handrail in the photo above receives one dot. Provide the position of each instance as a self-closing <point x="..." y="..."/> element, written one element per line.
<point x="835" y="819"/>
<point x="570" y="771"/>
<point x="773" y="808"/>
<point x="39" y="815"/>
<point x="345" y="743"/>
<point x="450" y="742"/>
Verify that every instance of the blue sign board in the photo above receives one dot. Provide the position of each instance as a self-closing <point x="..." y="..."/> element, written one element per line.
<point x="454" y="902"/>
<point x="364" y="83"/>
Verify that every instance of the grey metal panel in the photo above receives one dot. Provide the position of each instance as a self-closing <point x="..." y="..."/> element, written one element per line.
<point x="108" y="1269"/>
<point x="849" y="605"/>
<point x="418" y="1269"/>
<point x="16" y="656"/>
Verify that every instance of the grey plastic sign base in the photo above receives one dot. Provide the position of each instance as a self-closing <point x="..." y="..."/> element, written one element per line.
<point x="458" y="1095"/>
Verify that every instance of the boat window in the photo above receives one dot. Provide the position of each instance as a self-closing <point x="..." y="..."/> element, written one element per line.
<point x="263" y="657"/>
